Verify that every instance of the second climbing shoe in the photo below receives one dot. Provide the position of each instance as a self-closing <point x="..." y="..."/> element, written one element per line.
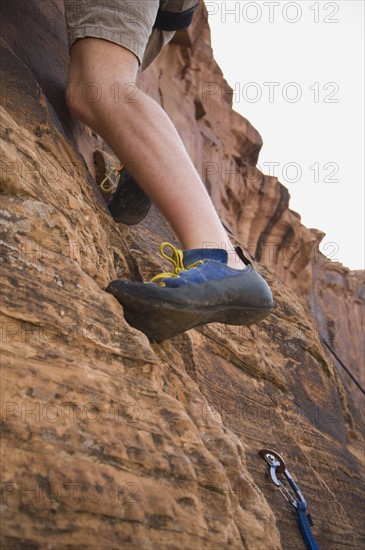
<point x="128" y="204"/>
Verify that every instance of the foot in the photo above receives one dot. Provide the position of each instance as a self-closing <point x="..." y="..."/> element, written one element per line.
<point x="202" y="289"/>
<point x="128" y="204"/>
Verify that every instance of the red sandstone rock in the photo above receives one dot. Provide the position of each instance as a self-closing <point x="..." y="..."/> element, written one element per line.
<point x="108" y="441"/>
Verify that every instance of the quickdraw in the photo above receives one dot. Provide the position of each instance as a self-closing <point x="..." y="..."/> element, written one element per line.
<point x="277" y="466"/>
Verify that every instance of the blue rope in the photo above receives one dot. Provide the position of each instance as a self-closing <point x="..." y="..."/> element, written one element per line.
<point x="305" y="526"/>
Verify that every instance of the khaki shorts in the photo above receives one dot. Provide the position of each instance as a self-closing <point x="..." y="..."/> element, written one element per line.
<point x="128" y="23"/>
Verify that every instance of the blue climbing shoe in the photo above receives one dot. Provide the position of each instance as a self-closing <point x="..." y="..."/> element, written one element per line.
<point x="201" y="289"/>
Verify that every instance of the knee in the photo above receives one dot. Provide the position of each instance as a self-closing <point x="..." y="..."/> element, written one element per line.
<point x="91" y="99"/>
<point x="98" y="78"/>
<point x="81" y="99"/>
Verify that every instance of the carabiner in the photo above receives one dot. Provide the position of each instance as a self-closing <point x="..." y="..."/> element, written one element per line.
<point x="277" y="466"/>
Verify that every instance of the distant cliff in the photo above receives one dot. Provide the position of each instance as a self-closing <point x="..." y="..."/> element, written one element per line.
<point x="109" y="441"/>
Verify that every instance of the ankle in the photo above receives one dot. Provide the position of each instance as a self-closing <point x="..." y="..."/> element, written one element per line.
<point x="234" y="261"/>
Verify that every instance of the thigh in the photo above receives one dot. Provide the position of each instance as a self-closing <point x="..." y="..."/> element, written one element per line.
<point x="128" y="23"/>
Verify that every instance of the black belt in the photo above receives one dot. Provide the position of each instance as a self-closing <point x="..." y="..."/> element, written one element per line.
<point x="174" y="21"/>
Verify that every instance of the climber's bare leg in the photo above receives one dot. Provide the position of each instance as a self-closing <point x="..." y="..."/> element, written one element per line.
<point x="139" y="131"/>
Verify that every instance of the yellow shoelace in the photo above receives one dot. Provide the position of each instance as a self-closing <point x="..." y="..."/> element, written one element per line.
<point x="176" y="259"/>
<point x="113" y="183"/>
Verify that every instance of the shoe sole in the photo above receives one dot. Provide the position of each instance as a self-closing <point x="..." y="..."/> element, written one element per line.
<point x="162" y="313"/>
<point x="132" y="213"/>
<point x="129" y="204"/>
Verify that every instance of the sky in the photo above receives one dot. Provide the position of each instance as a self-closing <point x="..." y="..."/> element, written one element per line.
<point x="297" y="70"/>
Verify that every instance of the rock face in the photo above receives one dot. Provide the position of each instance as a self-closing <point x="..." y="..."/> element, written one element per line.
<point x="336" y="300"/>
<point x="109" y="441"/>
